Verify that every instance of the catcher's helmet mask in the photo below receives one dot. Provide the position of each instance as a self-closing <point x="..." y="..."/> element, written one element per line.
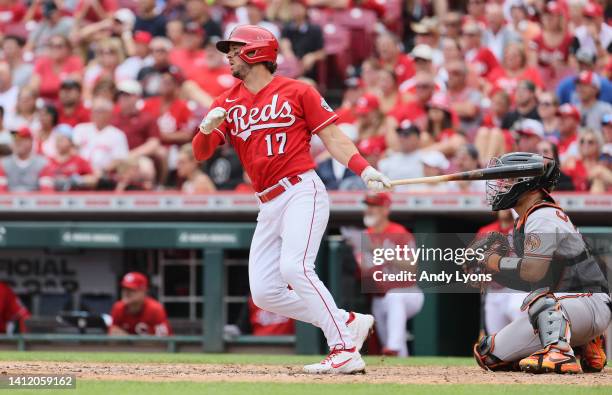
<point x="504" y="194"/>
<point x="258" y="44"/>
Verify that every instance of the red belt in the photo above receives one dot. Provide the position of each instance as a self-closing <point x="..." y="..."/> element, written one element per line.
<point x="277" y="190"/>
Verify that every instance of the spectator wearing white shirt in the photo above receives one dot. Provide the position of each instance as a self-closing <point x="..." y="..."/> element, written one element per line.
<point x="98" y="141"/>
<point x="497" y="35"/>
<point x="406" y="163"/>
<point x="8" y="92"/>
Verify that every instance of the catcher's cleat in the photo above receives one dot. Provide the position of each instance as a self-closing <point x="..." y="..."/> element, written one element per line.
<point x="593" y="355"/>
<point x="361" y="327"/>
<point x="338" y="361"/>
<point x="551" y="360"/>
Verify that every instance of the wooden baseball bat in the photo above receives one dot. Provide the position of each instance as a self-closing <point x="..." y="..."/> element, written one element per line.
<point x="490" y="173"/>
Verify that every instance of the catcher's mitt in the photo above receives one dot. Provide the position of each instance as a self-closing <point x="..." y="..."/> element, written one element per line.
<point x="492" y="243"/>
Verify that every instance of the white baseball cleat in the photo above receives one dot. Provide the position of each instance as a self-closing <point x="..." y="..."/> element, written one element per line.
<point x="338" y="361"/>
<point x="360" y="326"/>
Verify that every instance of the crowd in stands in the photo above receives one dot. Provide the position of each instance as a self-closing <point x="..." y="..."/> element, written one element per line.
<point x="107" y="94"/>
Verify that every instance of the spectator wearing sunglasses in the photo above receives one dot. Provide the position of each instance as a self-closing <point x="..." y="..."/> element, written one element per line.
<point x="547" y="106"/>
<point x="588" y="171"/>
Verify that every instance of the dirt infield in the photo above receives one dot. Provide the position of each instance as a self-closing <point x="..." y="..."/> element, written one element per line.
<point x="292" y="374"/>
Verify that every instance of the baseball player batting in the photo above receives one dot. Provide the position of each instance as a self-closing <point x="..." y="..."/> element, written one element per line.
<point x="568" y="308"/>
<point x="269" y="121"/>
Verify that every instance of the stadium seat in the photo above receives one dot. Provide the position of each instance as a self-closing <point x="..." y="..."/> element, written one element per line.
<point x="49" y="304"/>
<point x="97" y="303"/>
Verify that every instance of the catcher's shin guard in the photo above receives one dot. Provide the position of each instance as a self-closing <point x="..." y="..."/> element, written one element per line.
<point x="550" y="321"/>
<point x="593" y="355"/>
<point x="485" y="359"/>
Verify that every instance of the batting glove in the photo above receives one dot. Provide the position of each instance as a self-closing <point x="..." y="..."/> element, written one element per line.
<point x="375" y="180"/>
<point x="212" y="120"/>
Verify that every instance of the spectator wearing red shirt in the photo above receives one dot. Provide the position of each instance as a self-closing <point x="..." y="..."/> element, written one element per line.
<point x="189" y="56"/>
<point x="171" y="113"/>
<point x="372" y="123"/>
<point x="514" y="69"/>
<point x="66" y="171"/>
<point x="95" y="10"/>
<point x="11" y="13"/>
<point x="439" y="133"/>
<point x="479" y="58"/>
<point x="11" y="311"/>
<point x="415" y="110"/>
<point x="71" y="109"/>
<point x="588" y="172"/>
<point x="139" y="127"/>
<point x="395" y="301"/>
<point x="568" y="131"/>
<point x="265" y="323"/>
<point x="551" y="48"/>
<point x="391" y="56"/>
<point x="212" y="79"/>
<point x="136" y="313"/>
<point x="59" y="65"/>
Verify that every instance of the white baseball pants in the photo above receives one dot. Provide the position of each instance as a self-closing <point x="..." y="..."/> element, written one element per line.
<point x="283" y="252"/>
<point x="391" y="312"/>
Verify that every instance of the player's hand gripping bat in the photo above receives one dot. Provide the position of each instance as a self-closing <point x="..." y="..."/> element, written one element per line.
<point x="491" y="173"/>
<point x="212" y="120"/>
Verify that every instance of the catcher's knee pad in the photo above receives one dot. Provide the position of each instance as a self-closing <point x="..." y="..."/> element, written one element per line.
<point x="547" y="317"/>
<point x="483" y="350"/>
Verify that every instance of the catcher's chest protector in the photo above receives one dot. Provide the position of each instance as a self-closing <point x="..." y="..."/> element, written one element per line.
<point x="579" y="273"/>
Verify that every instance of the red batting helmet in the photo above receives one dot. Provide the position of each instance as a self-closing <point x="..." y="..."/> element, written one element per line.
<point x="259" y="45"/>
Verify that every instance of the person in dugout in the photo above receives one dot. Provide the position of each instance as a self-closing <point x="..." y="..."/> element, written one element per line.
<point x="393" y="302"/>
<point x="13" y="314"/>
<point x="137" y="313"/>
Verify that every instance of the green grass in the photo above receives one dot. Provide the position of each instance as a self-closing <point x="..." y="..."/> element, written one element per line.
<point x="188" y="388"/>
<point x="125" y="357"/>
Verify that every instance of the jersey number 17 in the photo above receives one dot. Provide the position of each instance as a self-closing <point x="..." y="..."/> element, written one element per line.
<point x="281" y="139"/>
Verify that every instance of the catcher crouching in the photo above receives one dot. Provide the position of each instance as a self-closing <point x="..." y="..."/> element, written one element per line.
<point x="569" y="302"/>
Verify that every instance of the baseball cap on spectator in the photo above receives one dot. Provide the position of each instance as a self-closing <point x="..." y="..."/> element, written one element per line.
<point x="518" y="4"/>
<point x="142" y="37"/>
<point x="435" y="159"/>
<point x="422" y="51"/>
<point x="407" y="128"/>
<point x="568" y="110"/>
<point x="366" y="104"/>
<point x="592" y="10"/>
<point x="552" y="7"/>
<point x="470" y="27"/>
<point x="530" y="127"/>
<point x="64" y="129"/>
<point x="193" y="28"/>
<point x="585" y="55"/>
<point x="125" y="16"/>
<point x="23" y="133"/>
<point x="374" y="145"/>
<point x="589" y="78"/>
<point x="136" y="281"/>
<point x="261" y="4"/>
<point x="70" y="84"/>
<point x="131" y="87"/>
<point x="378" y="199"/>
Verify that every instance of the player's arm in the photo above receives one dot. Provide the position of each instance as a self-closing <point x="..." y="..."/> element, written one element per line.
<point x="344" y="151"/>
<point x="209" y="137"/>
<point x="530" y="269"/>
